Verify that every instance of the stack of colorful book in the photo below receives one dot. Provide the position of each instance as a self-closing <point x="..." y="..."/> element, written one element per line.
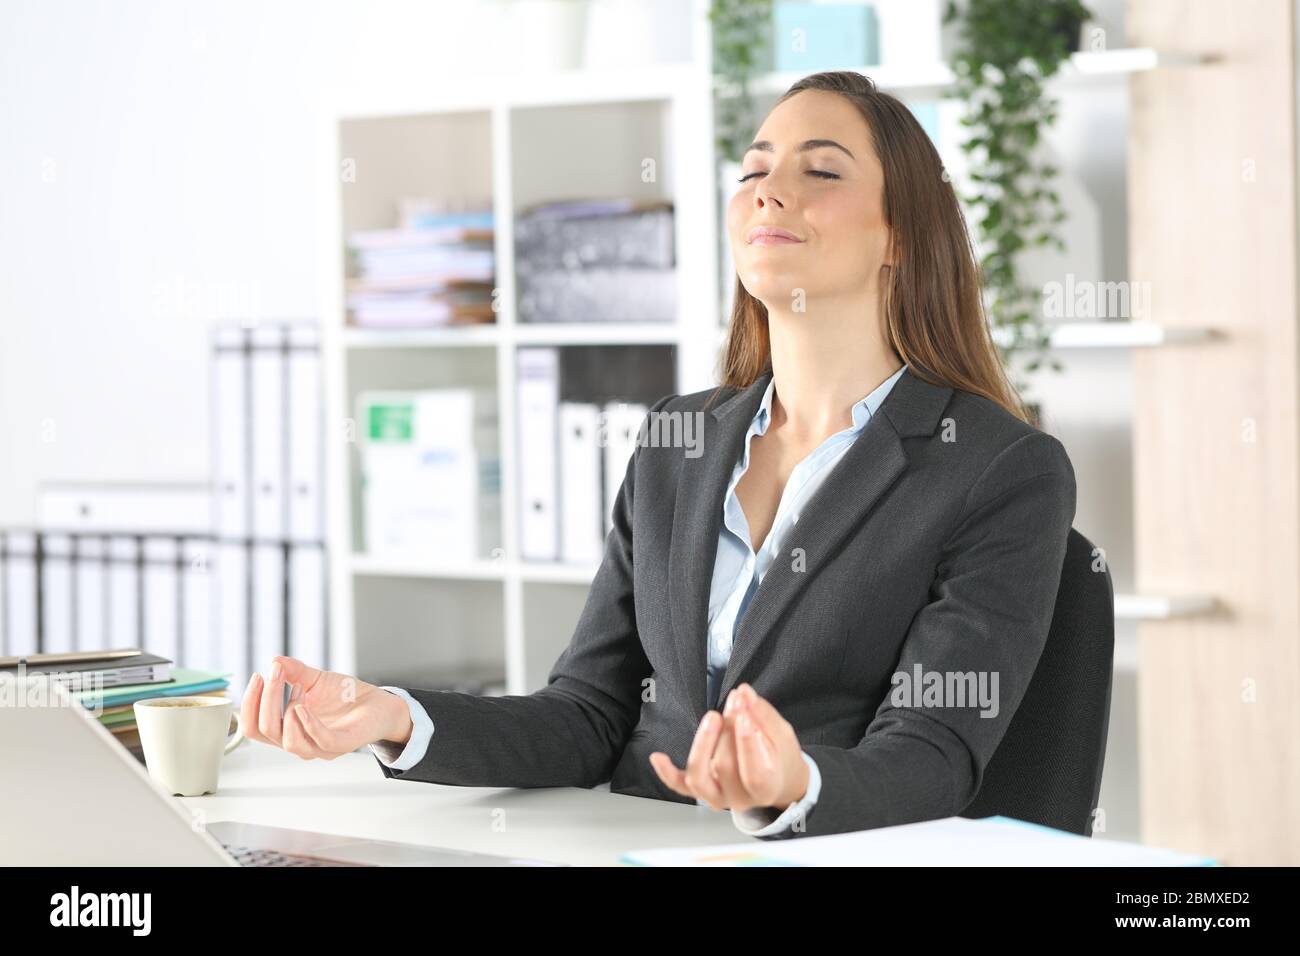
<point x="434" y="270"/>
<point x="116" y="706"/>
<point x="109" y="683"/>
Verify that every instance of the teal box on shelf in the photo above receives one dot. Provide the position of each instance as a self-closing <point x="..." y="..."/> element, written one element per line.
<point x="810" y="37"/>
<point x="927" y="114"/>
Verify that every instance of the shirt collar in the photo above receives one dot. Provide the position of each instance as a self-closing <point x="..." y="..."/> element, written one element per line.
<point x="863" y="408"/>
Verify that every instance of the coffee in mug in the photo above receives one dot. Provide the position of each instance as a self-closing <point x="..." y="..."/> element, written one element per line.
<point x="174" y="703"/>
<point x="184" y="739"/>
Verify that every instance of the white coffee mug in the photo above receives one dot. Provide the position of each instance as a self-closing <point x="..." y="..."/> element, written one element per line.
<point x="184" y="739"/>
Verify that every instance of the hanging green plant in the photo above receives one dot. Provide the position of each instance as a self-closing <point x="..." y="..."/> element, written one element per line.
<point x="742" y="48"/>
<point x="1006" y="51"/>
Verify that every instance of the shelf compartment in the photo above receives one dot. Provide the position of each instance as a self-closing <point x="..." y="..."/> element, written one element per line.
<point x="1156" y="607"/>
<point x="423" y="632"/>
<point x="1103" y="335"/>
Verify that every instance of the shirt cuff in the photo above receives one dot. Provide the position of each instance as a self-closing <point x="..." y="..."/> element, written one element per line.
<point x="421" y="732"/>
<point x="759" y="822"/>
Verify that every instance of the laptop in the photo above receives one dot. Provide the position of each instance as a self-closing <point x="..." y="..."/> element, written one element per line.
<point x="74" y="796"/>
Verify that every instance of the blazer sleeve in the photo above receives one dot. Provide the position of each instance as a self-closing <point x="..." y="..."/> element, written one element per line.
<point x="572" y="732"/>
<point x="991" y="607"/>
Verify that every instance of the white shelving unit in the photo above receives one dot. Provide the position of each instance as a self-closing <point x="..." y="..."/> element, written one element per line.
<point x="518" y="140"/>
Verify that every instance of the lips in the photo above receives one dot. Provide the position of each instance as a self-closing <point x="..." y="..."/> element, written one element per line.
<point x="770" y="236"/>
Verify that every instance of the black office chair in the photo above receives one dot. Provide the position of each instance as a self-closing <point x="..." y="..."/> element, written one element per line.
<point x="1047" y="769"/>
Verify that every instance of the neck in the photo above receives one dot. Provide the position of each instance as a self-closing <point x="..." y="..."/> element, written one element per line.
<point x="824" y="360"/>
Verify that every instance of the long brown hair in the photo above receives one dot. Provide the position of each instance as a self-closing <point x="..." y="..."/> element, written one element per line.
<point x="933" y="308"/>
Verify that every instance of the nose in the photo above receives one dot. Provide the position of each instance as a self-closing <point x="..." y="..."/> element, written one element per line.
<point x="766" y="192"/>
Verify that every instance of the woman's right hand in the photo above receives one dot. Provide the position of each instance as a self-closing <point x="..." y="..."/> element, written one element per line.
<point x="328" y="714"/>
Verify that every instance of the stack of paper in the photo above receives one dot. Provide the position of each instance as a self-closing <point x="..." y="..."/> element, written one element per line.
<point x="955" y="841"/>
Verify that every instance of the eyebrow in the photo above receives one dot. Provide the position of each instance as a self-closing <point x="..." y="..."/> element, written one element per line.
<point x="801" y="148"/>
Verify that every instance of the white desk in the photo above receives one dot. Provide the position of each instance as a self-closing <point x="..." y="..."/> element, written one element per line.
<point x="351" y="796"/>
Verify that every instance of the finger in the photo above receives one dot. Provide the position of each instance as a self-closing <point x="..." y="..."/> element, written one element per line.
<point x="270" y="718"/>
<point x="321" y="736"/>
<point x="699" y="770"/>
<point x="296" y="740"/>
<point x="726" y="759"/>
<point x="249" y="708"/>
<point x="757" y="761"/>
<point x="294" y="671"/>
<point x="725" y="766"/>
<point x="764" y="715"/>
<point x="726" y="770"/>
<point x="300" y="676"/>
<point x="672" y="777"/>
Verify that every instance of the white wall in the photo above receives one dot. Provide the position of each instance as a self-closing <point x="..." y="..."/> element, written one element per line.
<point x="157" y="172"/>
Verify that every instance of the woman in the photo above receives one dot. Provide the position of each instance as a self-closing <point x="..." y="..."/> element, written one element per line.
<point x="860" y="567"/>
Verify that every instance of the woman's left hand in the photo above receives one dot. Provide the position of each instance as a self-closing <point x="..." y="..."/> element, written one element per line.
<point x="747" y="756"/>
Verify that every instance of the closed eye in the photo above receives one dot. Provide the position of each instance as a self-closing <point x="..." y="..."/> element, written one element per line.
<point x="811" y="172"/>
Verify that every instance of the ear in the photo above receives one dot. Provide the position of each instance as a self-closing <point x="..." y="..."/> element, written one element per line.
<point x="889" y="258"/>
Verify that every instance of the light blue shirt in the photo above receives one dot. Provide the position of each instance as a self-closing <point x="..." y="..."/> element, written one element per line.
<point x="737" y="572"/>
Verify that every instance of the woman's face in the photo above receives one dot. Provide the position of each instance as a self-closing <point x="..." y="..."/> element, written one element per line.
<point x="830" y="198"/>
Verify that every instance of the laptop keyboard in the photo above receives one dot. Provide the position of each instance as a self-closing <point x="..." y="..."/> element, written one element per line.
<point x="252" y="856"/>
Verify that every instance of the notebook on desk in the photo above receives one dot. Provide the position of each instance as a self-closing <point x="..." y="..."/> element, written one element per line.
<point x="954" y="841"/>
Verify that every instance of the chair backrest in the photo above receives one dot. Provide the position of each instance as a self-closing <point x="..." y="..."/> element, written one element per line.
<point x="1047" y="770"/>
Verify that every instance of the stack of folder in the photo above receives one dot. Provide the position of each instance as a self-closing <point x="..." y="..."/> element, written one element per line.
<point x="77" y="670"/>
<point x="110" y="682"/>
<point x="579" y="410"/>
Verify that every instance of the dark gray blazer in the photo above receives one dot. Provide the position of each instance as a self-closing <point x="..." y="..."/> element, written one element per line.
<point x="937" y="540"/>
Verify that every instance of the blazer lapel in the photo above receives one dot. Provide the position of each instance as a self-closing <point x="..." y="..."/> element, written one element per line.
<point x="697" y="520"/>
<point x="866" y="471"/>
